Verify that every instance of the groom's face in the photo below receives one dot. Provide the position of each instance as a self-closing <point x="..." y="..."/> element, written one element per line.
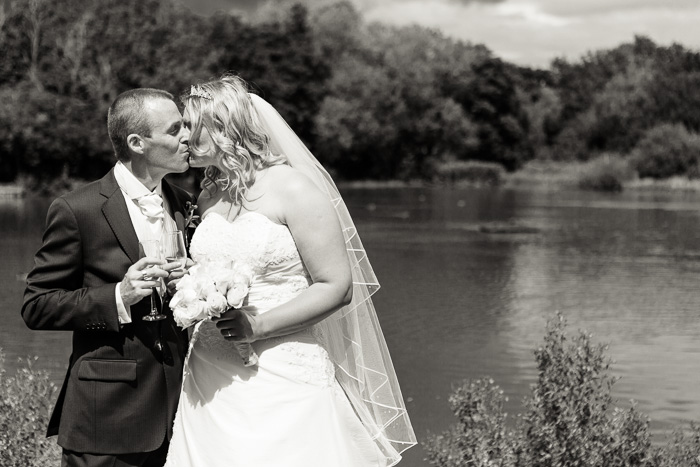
<point x="167" y="148"/>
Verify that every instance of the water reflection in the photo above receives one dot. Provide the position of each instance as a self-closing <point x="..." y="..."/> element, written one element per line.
<point x="21" y="227"/>
<point x="469" y="278"/>
<point x="623" y="268"/>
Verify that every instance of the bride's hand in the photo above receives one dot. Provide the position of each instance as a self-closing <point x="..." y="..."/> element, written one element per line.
<point x="237" y="325"/>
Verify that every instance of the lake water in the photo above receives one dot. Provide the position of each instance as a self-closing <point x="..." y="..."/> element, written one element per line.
<point x="470" y="277"/>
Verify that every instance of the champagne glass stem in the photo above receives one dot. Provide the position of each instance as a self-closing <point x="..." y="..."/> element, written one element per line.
<point x="154" y="306"/>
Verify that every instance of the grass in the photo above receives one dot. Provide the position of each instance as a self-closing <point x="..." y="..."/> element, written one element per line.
<point x="556" y="175"/>
<point x="26" y="400"/>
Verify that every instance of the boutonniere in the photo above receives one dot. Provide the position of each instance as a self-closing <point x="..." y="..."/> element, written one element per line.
<point x="191" y="220"/>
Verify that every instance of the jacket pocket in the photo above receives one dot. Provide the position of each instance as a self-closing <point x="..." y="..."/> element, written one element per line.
<point x="107" y="370"/>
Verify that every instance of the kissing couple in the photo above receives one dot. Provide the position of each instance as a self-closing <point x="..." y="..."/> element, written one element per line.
<point x="141" y="390"/>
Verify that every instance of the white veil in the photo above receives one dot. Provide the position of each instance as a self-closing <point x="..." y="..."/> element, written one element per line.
<point x="352" y="335"/>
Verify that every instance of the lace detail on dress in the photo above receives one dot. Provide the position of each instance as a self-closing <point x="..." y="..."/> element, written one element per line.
<point x="312" y="363"/>
<point x="280" y="249"/>
<point x="269" y="249"/>
<point x="218" y="240"/>
<point x="209" y="337"/>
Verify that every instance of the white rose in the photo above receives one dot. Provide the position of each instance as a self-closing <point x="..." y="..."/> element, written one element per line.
<point x="186" y="282"/>
<point x="236" y="294"/>
<point x="187" y="308"/>
<point x="203" y="284"/>
<point x="216" y="304"/>
<point x="194" y="268"/>
<point x="181" y="297"/>
<point x="223" y="280"/>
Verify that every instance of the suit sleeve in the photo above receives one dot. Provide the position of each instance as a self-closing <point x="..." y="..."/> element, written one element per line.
<point x="55" y="298"/>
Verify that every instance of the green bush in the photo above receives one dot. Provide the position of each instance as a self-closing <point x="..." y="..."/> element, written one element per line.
<point x="667" y="150"/>
<point x="682" y="450"/>
<point x="480" y="438"/>
<point x="25" y="405"/>
<point x="607" y="172"/>
<point x="488" y="173"/>
<point x="570" y="418"/>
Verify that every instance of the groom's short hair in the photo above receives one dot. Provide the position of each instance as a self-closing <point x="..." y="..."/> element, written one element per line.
<point x="127" y="115"/>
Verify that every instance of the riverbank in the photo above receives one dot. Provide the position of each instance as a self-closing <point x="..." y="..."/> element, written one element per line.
<point x="12" y="190"/>
<point x="569" y="175"/>
<point x="551" y="175"/>
<point x="540" y="174"/>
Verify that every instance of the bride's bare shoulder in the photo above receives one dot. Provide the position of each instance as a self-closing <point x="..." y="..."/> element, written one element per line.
<point x="207" y="199"/>
<point x="283" y="178"/>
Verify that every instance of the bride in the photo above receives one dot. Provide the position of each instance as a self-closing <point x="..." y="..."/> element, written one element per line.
<point x="323" y="391"/>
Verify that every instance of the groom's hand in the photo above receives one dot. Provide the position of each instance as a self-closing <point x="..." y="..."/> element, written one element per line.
<point x="140" y="279"/>
<point x="175" y="276"/>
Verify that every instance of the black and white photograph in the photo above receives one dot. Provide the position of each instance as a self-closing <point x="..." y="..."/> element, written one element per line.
<point x="350" y="233"/>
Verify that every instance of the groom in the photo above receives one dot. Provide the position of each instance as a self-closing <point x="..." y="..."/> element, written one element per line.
<point x="119" y="397"/>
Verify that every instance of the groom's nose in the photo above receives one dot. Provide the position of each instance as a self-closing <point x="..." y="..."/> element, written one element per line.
<point x="185" y="138"/>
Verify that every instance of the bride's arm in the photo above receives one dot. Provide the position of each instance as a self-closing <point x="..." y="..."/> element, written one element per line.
<point x="313" y="222"/>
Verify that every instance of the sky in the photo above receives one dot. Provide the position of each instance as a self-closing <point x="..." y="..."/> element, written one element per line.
<point x="527" y="32"/>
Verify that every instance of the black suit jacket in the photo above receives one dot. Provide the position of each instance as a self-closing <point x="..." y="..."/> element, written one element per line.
<point x="121" y="389"/>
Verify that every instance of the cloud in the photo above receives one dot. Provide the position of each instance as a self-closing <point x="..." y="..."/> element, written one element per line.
<point x="466" y="2"/>
<point x="605" y="7"/>
<point x="533" y="32"/>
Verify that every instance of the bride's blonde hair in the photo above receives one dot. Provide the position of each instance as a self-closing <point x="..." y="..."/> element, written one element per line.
<point x="241" y="146"/>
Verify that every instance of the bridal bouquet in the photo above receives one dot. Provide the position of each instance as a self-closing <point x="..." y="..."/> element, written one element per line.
<point x="206" y="291"/>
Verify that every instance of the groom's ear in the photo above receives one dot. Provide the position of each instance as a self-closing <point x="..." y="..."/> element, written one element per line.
<point x="135" y="143"/>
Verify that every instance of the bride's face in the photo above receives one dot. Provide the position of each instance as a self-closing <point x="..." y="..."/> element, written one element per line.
<point x="202" y="148"/>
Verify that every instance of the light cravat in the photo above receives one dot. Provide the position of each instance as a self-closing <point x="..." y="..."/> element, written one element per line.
<point x="151" y="206"/>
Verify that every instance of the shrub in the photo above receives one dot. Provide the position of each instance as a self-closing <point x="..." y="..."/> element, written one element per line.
<point x="488" y="173"/>
<point x="480" y="438"/>
<point x="25" y="404"/>
<point x="570" y="419"/>
<point x="682" y="450"/>
<point x="667" y="150"/>
<point x="607" y="172"/>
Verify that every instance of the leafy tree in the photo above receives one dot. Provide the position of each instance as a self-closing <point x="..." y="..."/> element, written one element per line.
<point x="372" y="101"/>
<point x="46" y="135"/>
<point x="667" y="150"/>
<point x="356" y="122"/>
<point x="491" y="100"/>
<point x="339" y="30"/>
<point x="385" y="116"/>
<point x="280" y="59"/>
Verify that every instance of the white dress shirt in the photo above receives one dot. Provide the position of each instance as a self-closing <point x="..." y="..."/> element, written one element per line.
<point x="146" y="228"/>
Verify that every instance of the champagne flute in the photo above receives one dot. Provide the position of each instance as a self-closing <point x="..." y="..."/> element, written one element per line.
<point x="175" y="250"/>
<point x="152" y="249"/>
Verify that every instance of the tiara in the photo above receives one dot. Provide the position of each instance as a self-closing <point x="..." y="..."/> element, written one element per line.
<point x="197" y="91"/>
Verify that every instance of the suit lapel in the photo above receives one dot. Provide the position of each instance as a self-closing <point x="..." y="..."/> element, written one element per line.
<point x="174" y="205"/>
<point x="117" y="215"/>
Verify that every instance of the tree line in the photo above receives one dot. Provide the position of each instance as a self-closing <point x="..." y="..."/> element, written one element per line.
<point x="372" y="101"/>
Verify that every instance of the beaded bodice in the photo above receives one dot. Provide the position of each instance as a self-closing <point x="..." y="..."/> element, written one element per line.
<point x="269" y="250"/>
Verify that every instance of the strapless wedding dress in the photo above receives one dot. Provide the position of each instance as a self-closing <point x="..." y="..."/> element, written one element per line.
<point x="286" y="411"/>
